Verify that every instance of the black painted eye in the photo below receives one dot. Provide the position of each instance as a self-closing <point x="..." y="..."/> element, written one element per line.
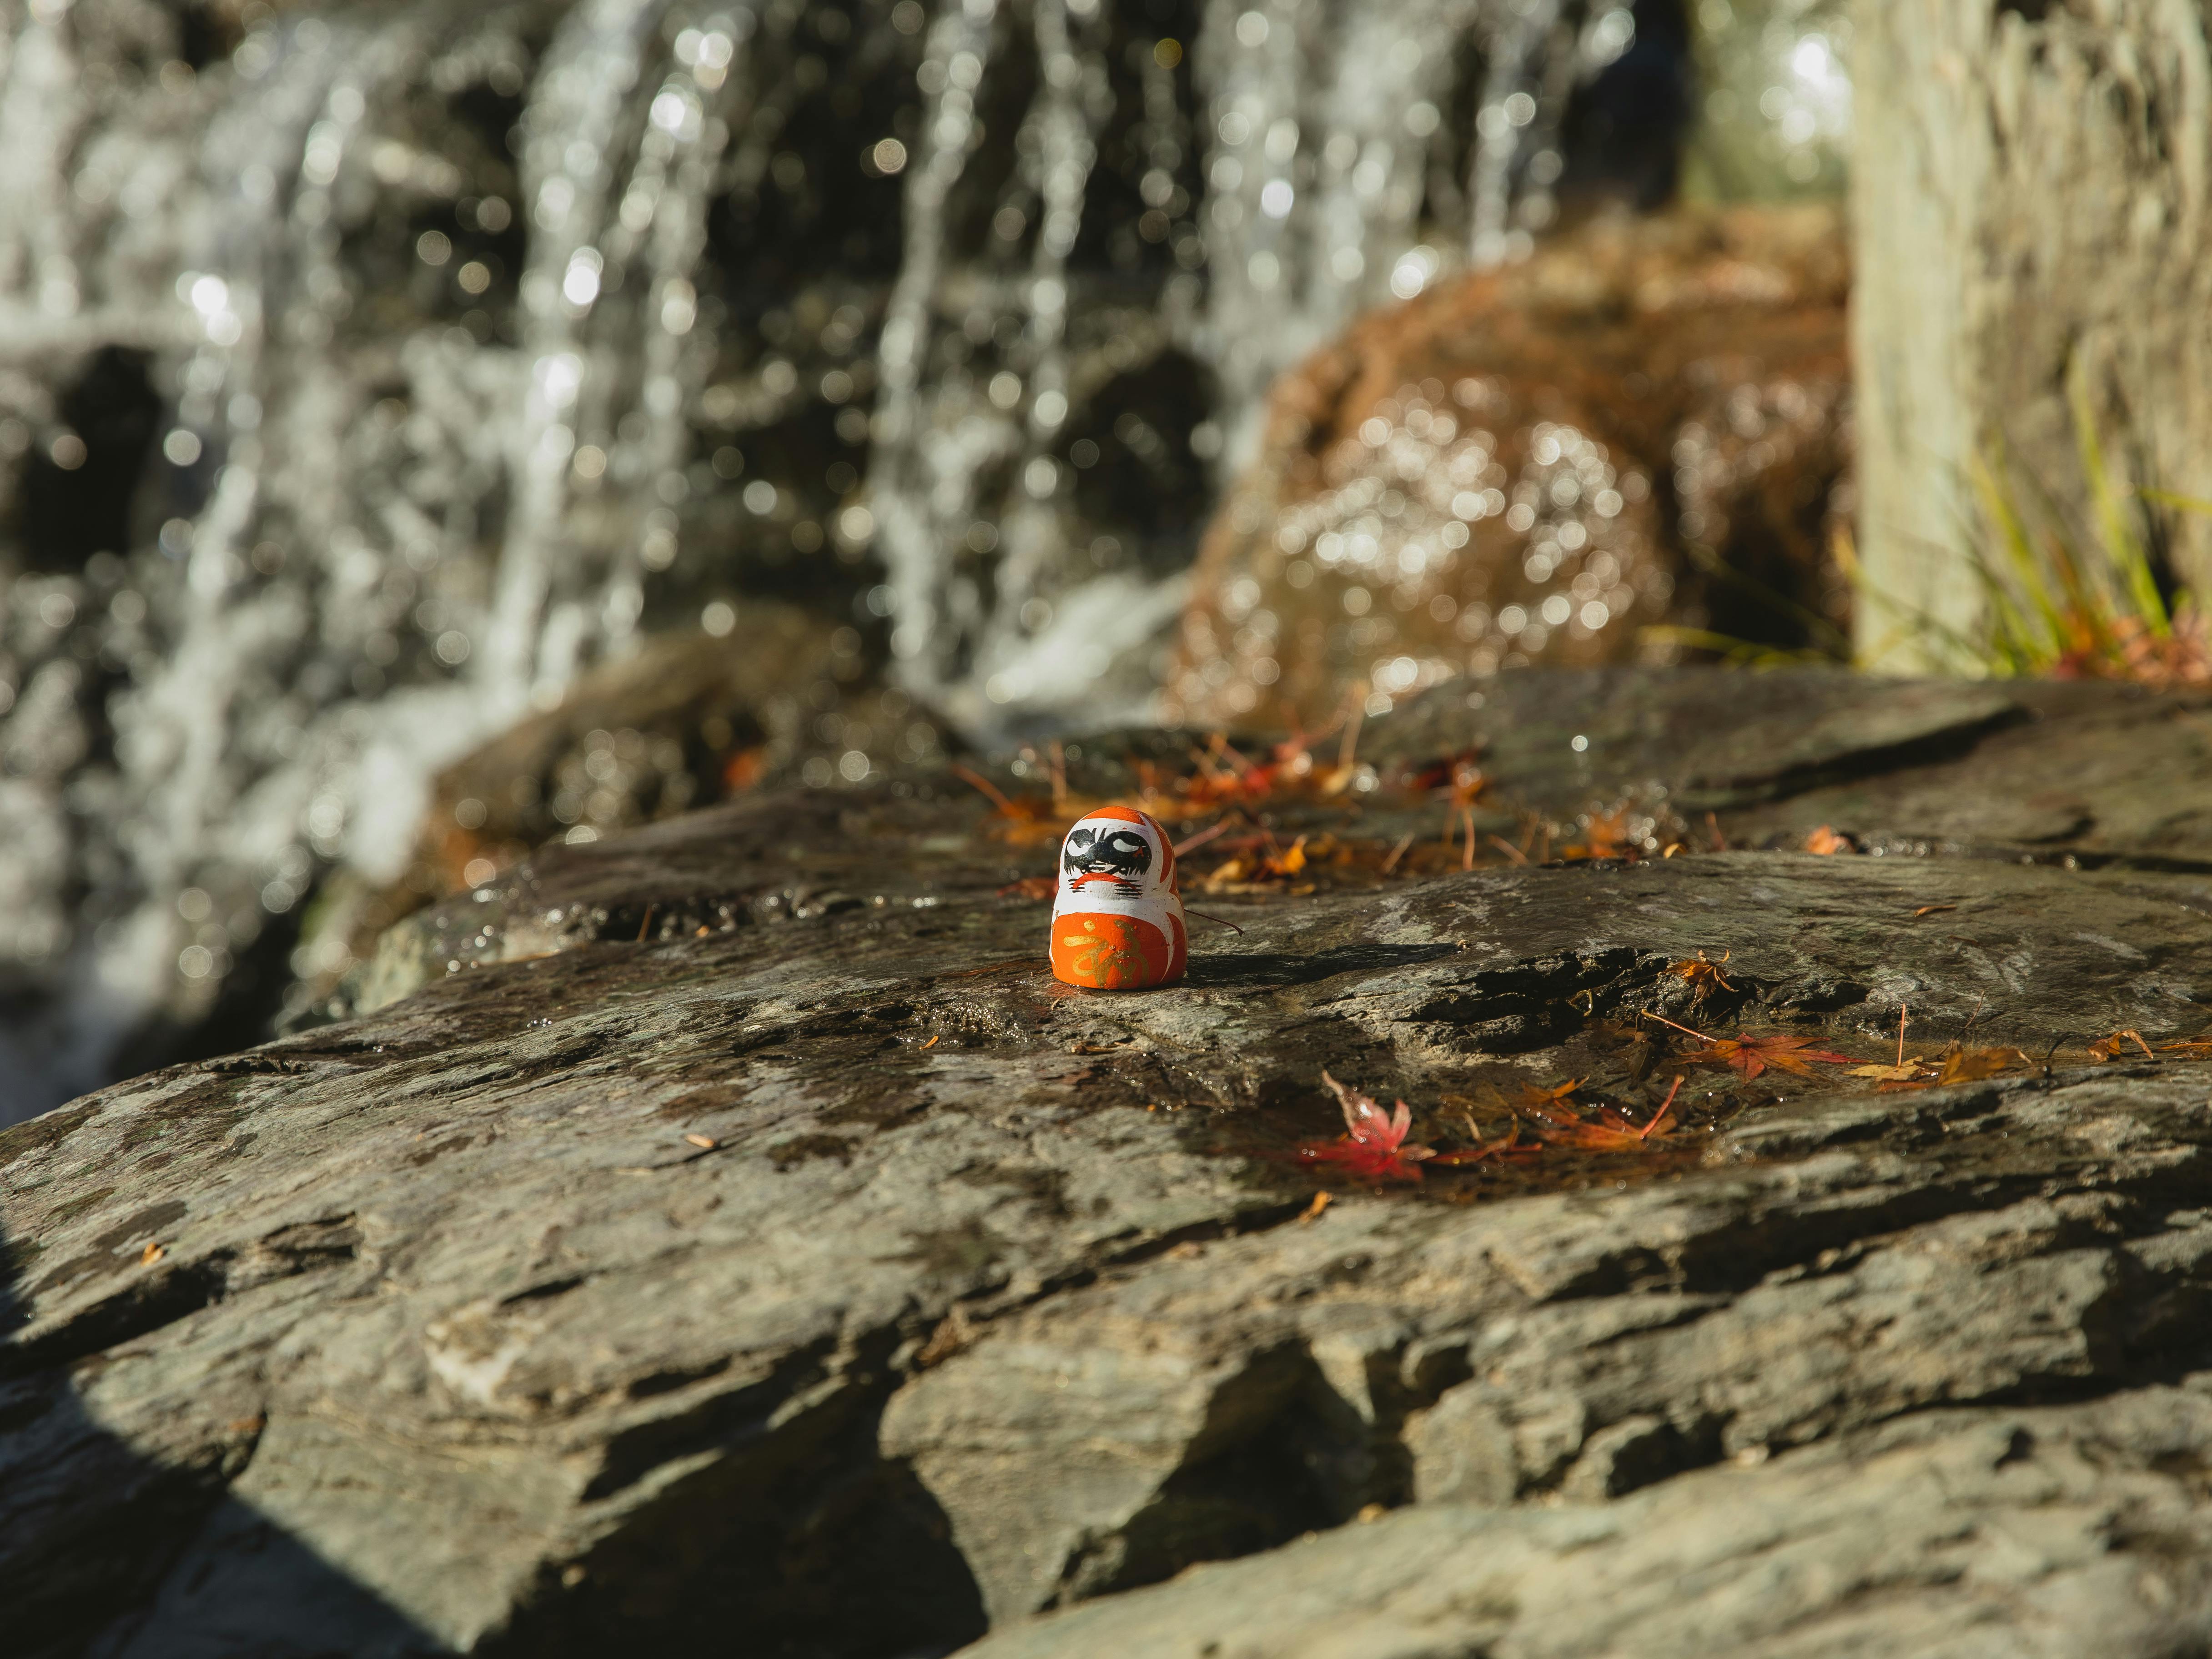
<point x="1079" y="840"/>
<point x="1130" y="851"/>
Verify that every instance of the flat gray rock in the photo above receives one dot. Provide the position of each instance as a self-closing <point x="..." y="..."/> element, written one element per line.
<point x="735" y="1234"/>
<point x="2094" y="770"/>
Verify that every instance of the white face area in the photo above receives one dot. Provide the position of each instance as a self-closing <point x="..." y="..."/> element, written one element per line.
<point x="1107" y="861"/>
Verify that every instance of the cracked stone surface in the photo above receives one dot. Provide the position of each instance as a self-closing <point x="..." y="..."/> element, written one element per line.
<point x="1998" y="1531"/>
<point x="731" y="1226"/>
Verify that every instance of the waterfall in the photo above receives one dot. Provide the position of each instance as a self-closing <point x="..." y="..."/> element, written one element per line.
<point x="477" y="342"/>
<point x="937" y="439"/>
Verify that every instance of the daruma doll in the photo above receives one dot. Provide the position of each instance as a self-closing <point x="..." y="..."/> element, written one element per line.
<point x="1116" y="918"/>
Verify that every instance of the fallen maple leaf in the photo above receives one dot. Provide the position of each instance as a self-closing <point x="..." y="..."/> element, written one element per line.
<point x="1027" y="819"/>
<point x="1376" y="1145"/>
<point x="1973" y="1065"/>
<point x="2195" y="1047"/>
<point x="2105" y="1049"/>
<point x="1901" y="1071"/>
<point x="1259" y="861"/>
<point x="1825" y="840"/>
<point x="1030" y="887"/>
<point x="1607" y="1130"/>
<point x="1704" y="977"/>
<point x="1959" y="1064"/>
<point x="1372" y="1127"/>
<point x="1752" y="1055"/>
<point x="1890" y="1073"/>
<point x="1483" y="1150"/>
<point x="1542" y="1102"/>
<point x="1606" y="835"/>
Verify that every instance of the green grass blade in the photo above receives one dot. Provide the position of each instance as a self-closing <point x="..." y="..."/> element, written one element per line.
<point x="1971" y="656"/>
<point x="2169" y="498"/>
<point x="2027" y="568"/>
<point x="2123" y="548"/>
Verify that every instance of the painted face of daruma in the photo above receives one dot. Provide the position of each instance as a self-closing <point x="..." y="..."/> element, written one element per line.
<point x="1112" y="859"/>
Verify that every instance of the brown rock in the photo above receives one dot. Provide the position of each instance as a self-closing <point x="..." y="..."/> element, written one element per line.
<point x="683" y="722"/>
<point x="686" y="721"/>
<point x="1535" y="464"/>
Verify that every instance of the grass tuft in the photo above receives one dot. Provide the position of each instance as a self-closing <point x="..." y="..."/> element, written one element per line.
<point x="2067" y="596"/>
<point x="2081" y="602"/>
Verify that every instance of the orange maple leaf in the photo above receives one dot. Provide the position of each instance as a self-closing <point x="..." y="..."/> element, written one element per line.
<point x="1511" y="1146"/>
<point x="1752" y="1055"/>
<point x="1607" y="1130"/>
<point x="1962" y="1066"/>
<point x="1973" y="1065"/>
<point x="1703" y="975"/>
<point x="2105" y="1049"/>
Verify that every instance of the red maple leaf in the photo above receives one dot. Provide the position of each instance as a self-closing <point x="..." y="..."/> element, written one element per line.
<point x="1376" y="1145"/>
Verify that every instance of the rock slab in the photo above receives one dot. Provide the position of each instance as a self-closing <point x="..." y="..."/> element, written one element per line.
<point x="765" y="1244"/>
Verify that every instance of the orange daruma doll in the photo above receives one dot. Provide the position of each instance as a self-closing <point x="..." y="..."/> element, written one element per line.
<point x="1117" y="920"/>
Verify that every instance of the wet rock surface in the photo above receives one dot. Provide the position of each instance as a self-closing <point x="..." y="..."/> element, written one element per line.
<point x="730" y="1225"/>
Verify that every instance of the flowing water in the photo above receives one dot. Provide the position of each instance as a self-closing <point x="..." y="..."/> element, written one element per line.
<point x="367" y="371"/>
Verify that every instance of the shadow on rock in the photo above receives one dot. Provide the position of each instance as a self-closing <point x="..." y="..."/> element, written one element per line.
<point x="105" y="1552"/>
<point x="810" y="1548"/>
<point x="1283" y="968"/>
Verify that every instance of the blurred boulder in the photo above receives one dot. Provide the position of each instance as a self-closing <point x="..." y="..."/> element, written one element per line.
<point x="1646" y="422"/>
<point x="686" y="721"/>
